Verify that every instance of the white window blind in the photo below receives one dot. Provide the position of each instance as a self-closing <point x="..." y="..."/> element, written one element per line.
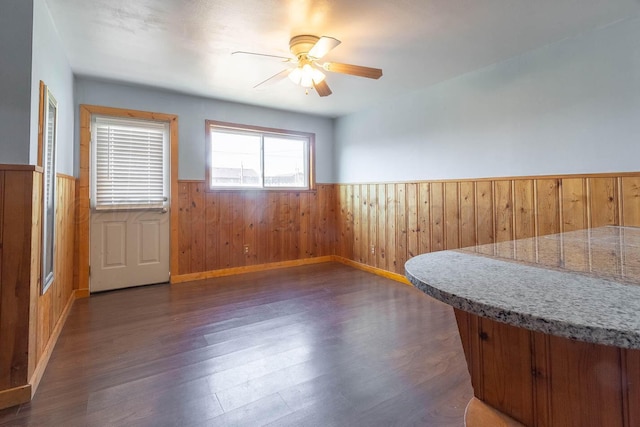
<point x="129" y="164"/>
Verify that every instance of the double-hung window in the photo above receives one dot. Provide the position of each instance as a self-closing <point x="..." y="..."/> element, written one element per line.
<point x="248" y="157"/>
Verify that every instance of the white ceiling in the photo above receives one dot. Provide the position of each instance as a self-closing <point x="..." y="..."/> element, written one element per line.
<point x="186" y="45"/>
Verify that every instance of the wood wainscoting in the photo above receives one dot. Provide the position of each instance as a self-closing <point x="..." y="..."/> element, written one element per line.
<point x="383" y="225"/>
<point x="274" y="227"/>
<point x="30" y="322"/>
<point x="52" y="307"/>
<point x="20" y="195"/>
<point x="379" y="226"/>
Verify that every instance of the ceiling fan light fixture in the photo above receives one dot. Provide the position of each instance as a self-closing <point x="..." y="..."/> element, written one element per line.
<point x="306" y="76"/>
<point x="317" y="76"/>
<point x="296" y="75"/>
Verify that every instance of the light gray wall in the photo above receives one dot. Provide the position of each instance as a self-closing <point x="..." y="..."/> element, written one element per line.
<point x="50" y="65"/>
<point x="16" y="20"/>
<point x="570" y="107"/>
<point x="193" y="111"/>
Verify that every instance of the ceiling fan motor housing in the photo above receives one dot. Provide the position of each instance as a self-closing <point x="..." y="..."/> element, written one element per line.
<point x="301" y="45"/>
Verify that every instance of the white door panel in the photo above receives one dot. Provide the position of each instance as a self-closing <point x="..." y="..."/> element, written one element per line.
<point x="149" y="242"/>
<point x="128" y="248"/>
<point x="114" y="236"/>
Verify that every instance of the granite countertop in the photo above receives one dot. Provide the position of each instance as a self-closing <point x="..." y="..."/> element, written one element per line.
<point x="583" y="285"/>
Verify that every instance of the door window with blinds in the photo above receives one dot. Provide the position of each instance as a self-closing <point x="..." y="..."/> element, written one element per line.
<point x="129" y="163"/>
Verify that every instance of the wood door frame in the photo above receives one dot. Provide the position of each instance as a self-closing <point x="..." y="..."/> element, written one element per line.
<point x="83" y="207"/>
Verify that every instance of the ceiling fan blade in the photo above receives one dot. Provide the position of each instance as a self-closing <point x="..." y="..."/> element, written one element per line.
<point x="275" y="78"/>
<point x="354" y="70"/>
<point x="322" y="88"/>
<point x="323" y="46"/>
<point x="241" y="52"/>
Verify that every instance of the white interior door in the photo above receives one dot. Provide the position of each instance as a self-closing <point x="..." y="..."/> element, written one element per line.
<point x="129" y="228"/>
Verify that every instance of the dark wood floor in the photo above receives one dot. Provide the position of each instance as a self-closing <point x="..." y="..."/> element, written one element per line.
<point x="320" y="345"/>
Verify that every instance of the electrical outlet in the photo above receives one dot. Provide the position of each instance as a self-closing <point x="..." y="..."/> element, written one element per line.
<point x="373" y="250"/>
<point x="246" y="249"/>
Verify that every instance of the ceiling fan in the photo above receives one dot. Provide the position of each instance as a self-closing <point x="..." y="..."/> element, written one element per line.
<point x="307" y="50"/>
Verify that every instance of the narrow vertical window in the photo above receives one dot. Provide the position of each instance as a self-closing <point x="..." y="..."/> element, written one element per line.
<point x="50" y="129"/>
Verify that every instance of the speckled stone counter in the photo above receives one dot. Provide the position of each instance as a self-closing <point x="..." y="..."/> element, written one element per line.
<point x="550" y="326"/>
<point x="583" y="285"/>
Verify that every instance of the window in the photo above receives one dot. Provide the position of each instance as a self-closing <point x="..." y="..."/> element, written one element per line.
<point x="240" y="156"/>
<point x="50" y="134"/>
<point x="129" y="163"/>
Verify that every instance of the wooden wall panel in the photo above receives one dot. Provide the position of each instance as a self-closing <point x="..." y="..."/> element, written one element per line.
<point x="467" y="211"/>
<point x="424" y="218"/>
<point x="29" y="320"/>
<point x="543" y="380"/>
<point x="184" y="245"/>
<point x="437" y="217"/>
<point x="373" y="224"/>
<point x="575" y="380"/>
<point x="224" y="230"/>
<point x="547" y="215"/>
<point x="406" y="219"/>
<point x="215" y="227"/>
<point x="504" y="215"/>
<point x="305" y="225"/>
<point x="358" y="235"/>
<point x="506" y="380"/>
<point x="574" y="213"/>
<point x="524" y="219"/>
<point x="451" y="215"/>
<point x="364" y="224"/>
<point x="412" y="220"/>
<point x="547" y="206"/>
<point x="573" y="204"/>
<point x="630" y="195"/>
<point x="381" y="246"/>
<point x="485" y="231"/>
<point x="401" y="228"/>
<point x="15" y="283"/>
<point x="398" y="220"/>
<point x="212" y="234"/>
<point x="390" y="264"/>
<point x="329" y="230"/>
<point x="51" y="305"/>
<point x="237" y="229"/>
<point x="631" y="366"/>
<point x="198" y="236"/>
<point x="603" y="203"/>
<point x="347" y="244"/>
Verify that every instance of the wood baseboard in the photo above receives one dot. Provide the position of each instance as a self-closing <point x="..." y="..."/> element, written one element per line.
<point x="34" y="382"/>
<point x="181" y="278"/>
<point x="81" y="293"/>
<point x="479" y="414"/>
<point x="375" y="270"/>
<point x="15" y="396"/>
